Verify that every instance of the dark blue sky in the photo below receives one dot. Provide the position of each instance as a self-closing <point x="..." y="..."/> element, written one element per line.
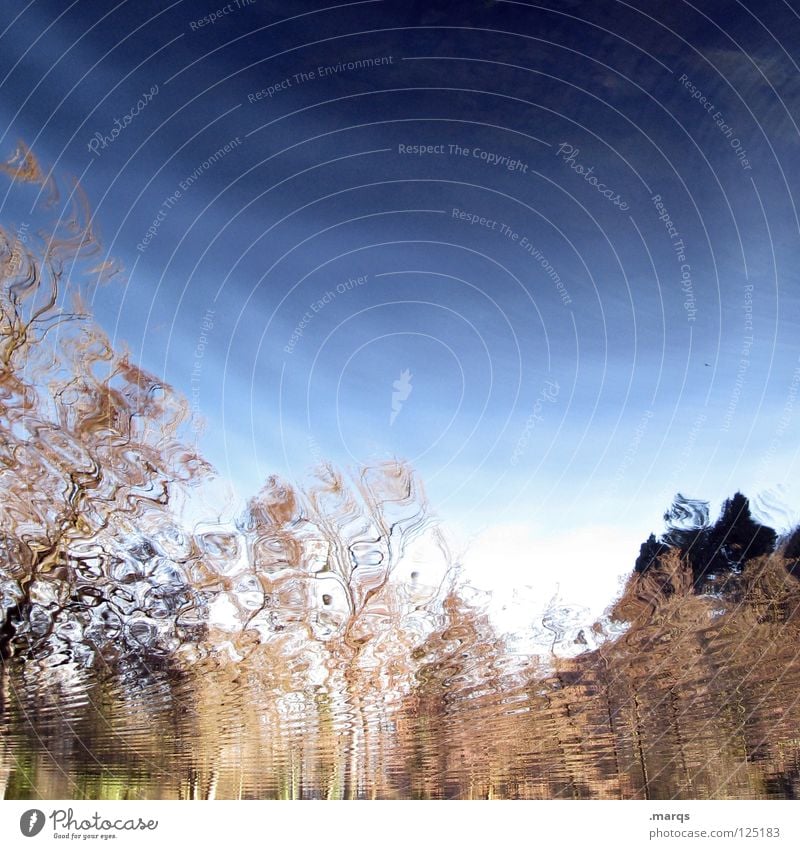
<point x="588" y="275"/>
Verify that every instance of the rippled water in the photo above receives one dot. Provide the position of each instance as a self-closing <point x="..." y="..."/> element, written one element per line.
<point x="322" y="643"/>
<point x="697" y="706"/>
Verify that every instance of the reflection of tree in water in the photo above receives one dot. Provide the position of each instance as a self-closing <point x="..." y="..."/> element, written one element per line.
<point x="90" y="456"/>
<point x="321" y="645"/>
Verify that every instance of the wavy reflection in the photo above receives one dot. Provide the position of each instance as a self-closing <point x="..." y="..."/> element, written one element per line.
<point x="323" y="644"/>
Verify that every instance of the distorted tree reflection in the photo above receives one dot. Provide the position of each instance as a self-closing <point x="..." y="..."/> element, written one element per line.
<point x="323" y="643"/>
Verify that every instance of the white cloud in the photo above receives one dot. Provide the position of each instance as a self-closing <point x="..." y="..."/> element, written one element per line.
<point x="525" y="569"/>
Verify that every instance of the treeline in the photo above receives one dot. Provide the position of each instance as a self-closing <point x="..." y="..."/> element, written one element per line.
<point x="716" y="551"/>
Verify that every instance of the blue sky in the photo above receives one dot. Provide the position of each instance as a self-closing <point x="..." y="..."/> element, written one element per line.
<point x="577" y="353"/>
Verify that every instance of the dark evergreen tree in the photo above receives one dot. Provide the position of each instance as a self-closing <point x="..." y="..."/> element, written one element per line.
<point x="735" y="538"/>
<point x="650" y="550"/>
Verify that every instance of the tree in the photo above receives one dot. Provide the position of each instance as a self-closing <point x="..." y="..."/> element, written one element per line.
<point x="90" y="457"/>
